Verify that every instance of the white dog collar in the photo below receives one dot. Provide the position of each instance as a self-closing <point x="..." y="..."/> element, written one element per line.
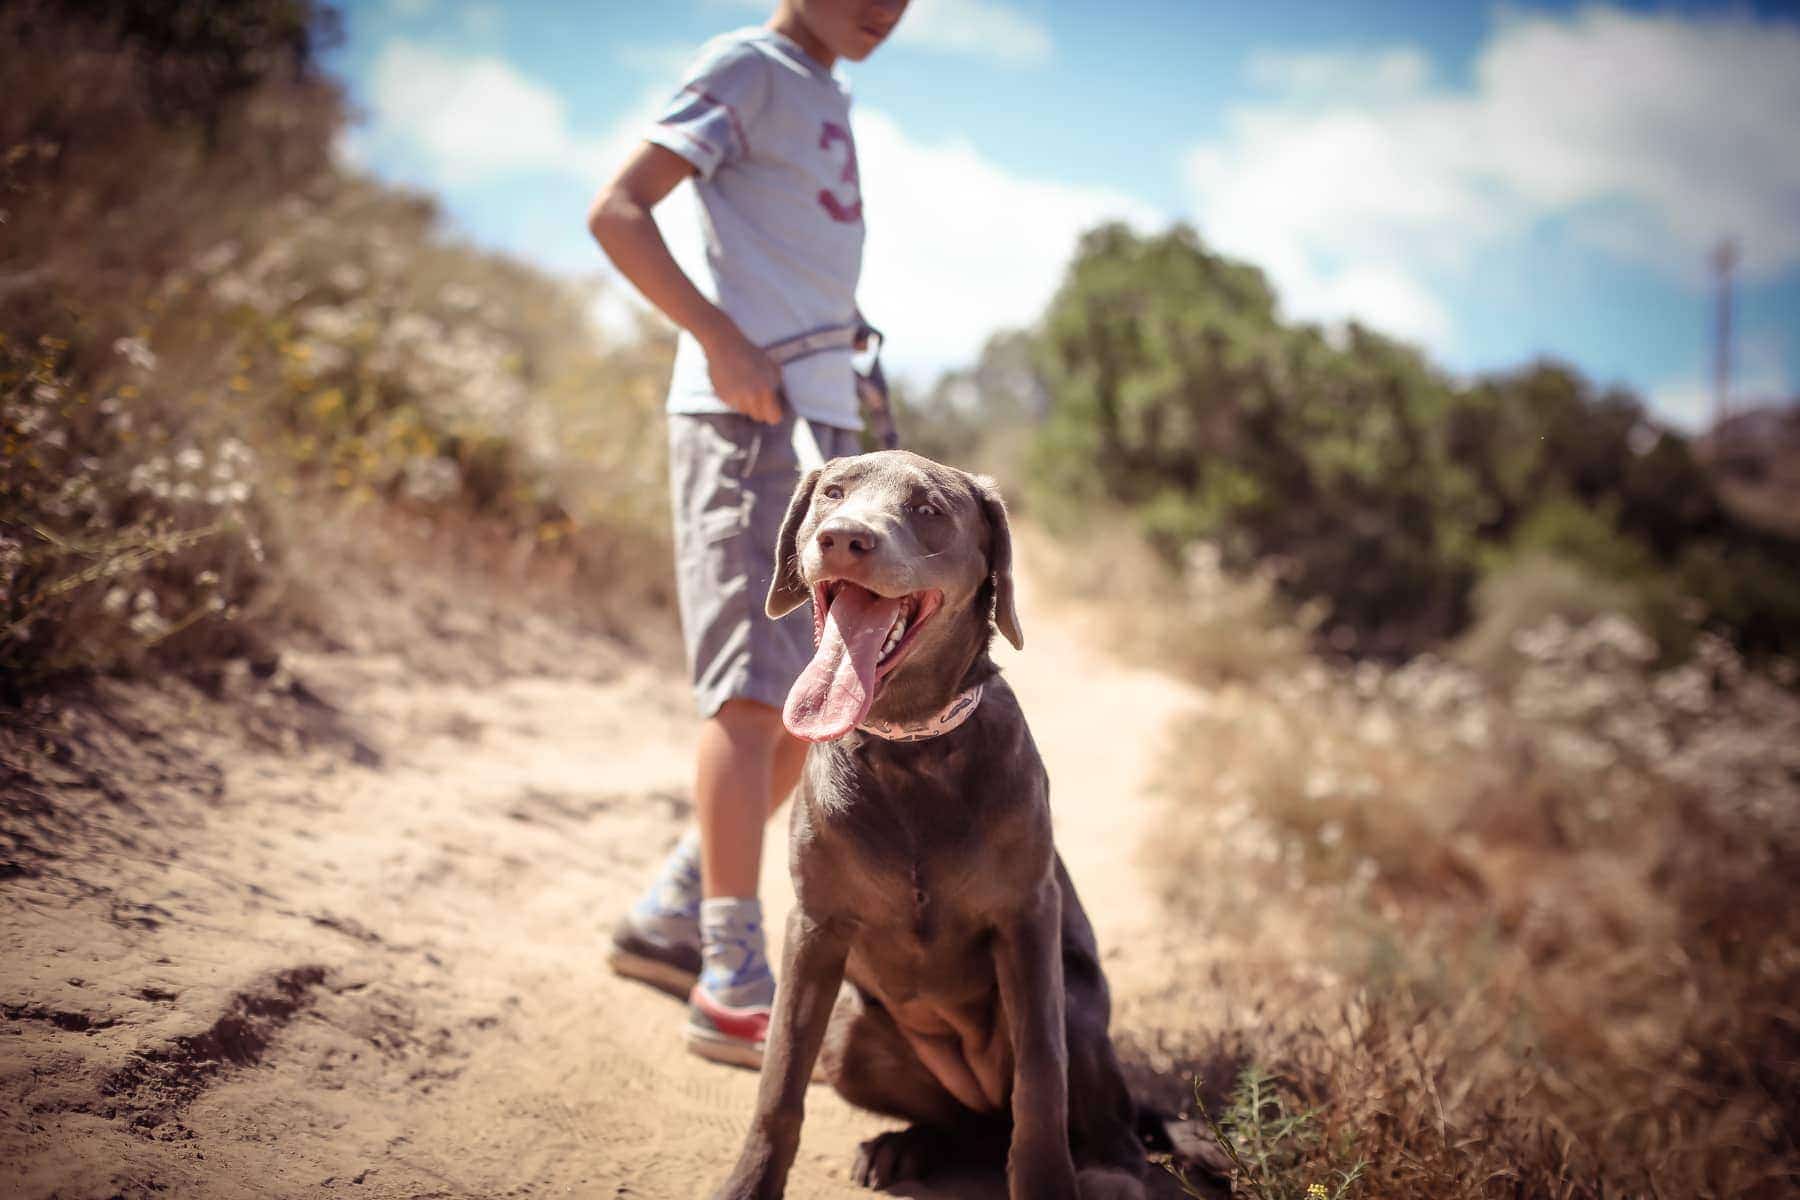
<point x="952" y="715"/>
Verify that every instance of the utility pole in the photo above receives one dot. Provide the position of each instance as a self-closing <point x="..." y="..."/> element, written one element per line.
<point x="1724" y="259"/>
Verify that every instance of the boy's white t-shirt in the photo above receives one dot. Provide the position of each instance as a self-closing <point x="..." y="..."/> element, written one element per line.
<point x="768" y="130"/>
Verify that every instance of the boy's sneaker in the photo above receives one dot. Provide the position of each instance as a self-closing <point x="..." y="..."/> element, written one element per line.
<point x="638" y="955"/>
<point x="724" y="1034"/>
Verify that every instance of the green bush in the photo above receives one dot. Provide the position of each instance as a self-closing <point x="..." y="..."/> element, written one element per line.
<point x="1382" y="487"/>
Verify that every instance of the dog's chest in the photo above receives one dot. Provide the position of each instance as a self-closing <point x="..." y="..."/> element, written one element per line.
<point x="914" y="885"/>
<point x="925" y="892"/>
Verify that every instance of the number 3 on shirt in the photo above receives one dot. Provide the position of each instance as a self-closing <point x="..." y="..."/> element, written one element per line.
<point x="831" y="134"/>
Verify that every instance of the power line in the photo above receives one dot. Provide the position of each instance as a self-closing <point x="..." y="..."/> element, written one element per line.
<point x="1724" y="260"/>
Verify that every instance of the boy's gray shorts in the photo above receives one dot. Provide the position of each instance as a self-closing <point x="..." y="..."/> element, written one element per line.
<point x="731" y="479"/>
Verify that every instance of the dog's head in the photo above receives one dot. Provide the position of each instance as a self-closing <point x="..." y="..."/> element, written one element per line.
<point x="906" y="562"/>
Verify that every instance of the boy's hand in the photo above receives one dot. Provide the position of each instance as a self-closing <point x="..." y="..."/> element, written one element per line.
<point x="743" y="376"/>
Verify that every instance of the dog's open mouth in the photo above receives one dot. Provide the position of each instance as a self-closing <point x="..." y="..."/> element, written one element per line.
<point x="859" y="638"/>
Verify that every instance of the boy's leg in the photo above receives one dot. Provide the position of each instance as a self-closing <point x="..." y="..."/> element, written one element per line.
<point x="744" y="772"/>
<point x="747" y="764"/>
<point x="659" y="940"/>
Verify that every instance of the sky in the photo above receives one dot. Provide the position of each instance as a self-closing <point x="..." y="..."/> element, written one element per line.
<point x="1492" y="183"/>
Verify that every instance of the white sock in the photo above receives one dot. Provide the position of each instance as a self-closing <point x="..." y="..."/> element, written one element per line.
<point x="734" y="961"/>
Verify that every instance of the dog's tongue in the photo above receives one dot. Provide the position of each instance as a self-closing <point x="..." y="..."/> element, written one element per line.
<point x="835" y="690"/>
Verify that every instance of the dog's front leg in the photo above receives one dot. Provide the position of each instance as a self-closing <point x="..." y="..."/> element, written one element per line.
<point x="812" y="967"/>
<point x="1028" y="960"/>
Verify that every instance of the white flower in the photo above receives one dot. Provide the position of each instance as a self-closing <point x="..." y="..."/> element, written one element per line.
<point x="459" y="297"/>
<point x="216" y="259"/>
<point x="147" y="624"/>
<point x="432" y="479"/>
<point x="190" y="459"/>
<point x="347" y="278"/>
<point x="137" y="352"/>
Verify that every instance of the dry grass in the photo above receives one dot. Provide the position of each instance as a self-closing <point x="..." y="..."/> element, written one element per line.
<point x="1196" y="621"/>
<point x="1527" y="936"/>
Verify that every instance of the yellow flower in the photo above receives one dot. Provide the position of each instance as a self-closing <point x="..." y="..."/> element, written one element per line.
<point x="1316" y="1191"/>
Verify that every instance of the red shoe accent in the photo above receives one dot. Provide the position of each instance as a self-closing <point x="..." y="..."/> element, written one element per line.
<point x="748" y="1024"/>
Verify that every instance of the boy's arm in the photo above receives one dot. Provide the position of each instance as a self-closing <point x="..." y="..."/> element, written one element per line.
<point x="742" y="375"/>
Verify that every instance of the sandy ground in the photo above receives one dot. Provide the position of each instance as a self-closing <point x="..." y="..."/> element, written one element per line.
<point x="368" y="958"/>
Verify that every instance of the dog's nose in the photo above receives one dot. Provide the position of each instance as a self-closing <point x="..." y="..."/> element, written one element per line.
<point x="842" y="542"/>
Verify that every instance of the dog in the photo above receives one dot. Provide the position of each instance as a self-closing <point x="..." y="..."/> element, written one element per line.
<point x="938" y="965"/>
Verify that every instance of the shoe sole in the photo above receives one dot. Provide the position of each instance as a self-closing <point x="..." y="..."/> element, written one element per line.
<point x="716" y="1047"/>
<point x="664" y="977"/>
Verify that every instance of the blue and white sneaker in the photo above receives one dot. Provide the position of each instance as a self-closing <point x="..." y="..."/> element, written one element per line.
<point x="658" y="940"/>
<point x="725" y="1033"/>
<point x="672" y="967"/>
<point x="728" y="1010"/>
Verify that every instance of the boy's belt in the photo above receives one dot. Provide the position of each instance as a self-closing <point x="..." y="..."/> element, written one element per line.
<point x="871" y="385"/>
<point x="816" y="341"/>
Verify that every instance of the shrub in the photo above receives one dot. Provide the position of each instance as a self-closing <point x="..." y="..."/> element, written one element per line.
<point x="1384" y="487"/>
<point x="1525" y="938"/>
<point x="211" y="342"/>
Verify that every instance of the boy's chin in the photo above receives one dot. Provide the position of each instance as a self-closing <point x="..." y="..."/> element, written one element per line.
<point x="857" y="46"/>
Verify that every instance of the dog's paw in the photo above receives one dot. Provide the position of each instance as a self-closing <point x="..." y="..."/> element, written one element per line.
<point x="1109" y="1183"/>
<point x="890" y="1158"/>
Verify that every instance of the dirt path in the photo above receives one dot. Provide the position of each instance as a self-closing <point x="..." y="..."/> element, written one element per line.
<point x="294" y="975"/>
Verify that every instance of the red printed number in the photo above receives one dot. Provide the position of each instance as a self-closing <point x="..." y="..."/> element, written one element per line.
<point x="839" y="210"/>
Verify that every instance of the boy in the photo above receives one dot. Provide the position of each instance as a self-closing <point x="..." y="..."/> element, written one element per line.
<point x="764" y="126"/>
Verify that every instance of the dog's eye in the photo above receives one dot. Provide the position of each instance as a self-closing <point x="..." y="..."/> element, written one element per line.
<point x="833" y="492"/>
<point x="926" y="510"/>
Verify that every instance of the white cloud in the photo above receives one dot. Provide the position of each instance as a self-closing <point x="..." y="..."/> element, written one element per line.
<point x="1334" y="75"/>
<point x="471" y="116"/>
<point x="1652" y="135"/>
<point x="1682" y="119"/>
<point x="982" y="28"/>
<point x="958" y="247"/>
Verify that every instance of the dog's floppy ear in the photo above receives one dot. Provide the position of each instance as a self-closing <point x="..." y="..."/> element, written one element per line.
<point x="787" y="591"/>
<point x="1000" y="558"/>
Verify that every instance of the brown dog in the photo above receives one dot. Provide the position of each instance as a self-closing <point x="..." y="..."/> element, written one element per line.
<point x="923" y="868"/>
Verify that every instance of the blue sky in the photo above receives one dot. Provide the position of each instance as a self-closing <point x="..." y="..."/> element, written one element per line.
<point x="1493" y="183"/>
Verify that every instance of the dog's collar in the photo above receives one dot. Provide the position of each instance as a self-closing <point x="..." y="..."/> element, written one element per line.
<point x="949" y="717"/>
